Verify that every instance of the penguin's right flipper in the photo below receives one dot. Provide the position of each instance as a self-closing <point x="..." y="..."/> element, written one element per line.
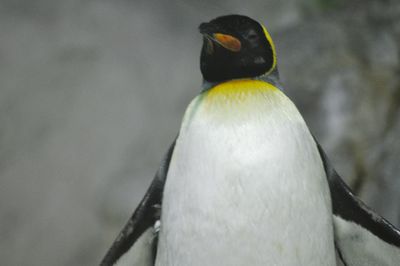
<point x="362" y="237"/>
<point x="137" y="243"/>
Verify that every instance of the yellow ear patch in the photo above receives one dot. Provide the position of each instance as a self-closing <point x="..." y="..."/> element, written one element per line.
<point x="227" y="41"/>
<point x="269" y="39"/>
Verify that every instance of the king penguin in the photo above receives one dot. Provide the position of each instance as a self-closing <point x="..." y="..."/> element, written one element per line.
<point x="245" y="182"/>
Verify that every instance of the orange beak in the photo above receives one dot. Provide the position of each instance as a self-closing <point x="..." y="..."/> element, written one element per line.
<point x="227" y="41"/>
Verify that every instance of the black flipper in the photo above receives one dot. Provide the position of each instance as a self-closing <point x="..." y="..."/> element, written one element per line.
<point x="144" y="217"/>
<point x="362" y="237"/>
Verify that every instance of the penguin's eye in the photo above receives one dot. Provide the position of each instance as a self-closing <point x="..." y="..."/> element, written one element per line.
<point x="252" y="35"/>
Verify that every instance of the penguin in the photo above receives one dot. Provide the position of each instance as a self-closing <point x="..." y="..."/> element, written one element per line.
<point x="245" y="182"/>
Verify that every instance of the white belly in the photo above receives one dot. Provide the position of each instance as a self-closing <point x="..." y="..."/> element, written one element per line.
<point x="246" y="188"/>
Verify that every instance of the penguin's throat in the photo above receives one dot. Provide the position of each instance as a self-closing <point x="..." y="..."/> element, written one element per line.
<point x="238" y="92"/>
<point x="238" y="89"/>
<point x="236" y="98"/>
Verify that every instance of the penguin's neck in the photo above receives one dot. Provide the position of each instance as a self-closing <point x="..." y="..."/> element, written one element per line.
<point x="245" y="184"/>
<point x="233" y="100"/>
<point x="270" y="77"/>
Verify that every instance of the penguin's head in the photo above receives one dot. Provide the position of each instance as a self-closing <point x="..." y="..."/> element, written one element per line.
<point x="235" y="47"/>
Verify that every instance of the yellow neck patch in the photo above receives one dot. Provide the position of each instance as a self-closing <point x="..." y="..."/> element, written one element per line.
<point x="242" y="92"/>
<point x="233" y="99"/>
<point x="239" y="88"/>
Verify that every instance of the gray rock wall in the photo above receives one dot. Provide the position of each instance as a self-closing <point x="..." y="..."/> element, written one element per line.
<point x="92" y="93"/>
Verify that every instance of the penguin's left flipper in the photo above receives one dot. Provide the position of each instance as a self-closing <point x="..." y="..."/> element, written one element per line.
<point x="362" y="237"/>
<point x="137" y="243"/>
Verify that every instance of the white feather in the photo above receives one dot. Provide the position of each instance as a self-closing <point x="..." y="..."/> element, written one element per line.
<point x="359" y="247"/>
<point x="246" y="186"/>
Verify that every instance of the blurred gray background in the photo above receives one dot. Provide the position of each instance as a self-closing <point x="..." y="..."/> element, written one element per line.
<point x="92" y="94"/>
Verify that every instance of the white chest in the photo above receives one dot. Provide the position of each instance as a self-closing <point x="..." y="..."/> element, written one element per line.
<point x="246" y="188"/>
